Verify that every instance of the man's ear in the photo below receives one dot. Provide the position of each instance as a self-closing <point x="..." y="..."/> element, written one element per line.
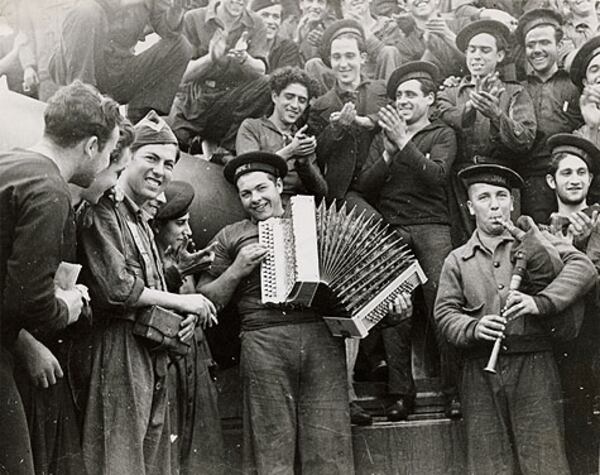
<point x="274" y="96"/>
<point x="279" y="185"/>
<point x="551" y="181"/>
<point x="364" y="57"/>
<point x="430" y="99"/>
<point x="501" y="55"/>
<point x="90" y="146"/>
<point x="470" y="206"/>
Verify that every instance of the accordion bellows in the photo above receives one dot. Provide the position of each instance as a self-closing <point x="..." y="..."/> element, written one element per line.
<point x="352" y="258"/>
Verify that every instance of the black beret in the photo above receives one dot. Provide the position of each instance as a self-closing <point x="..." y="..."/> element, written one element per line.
<point x="537" y="17"/>
<point x="411" y="70"/>
<point x="587" y="52"/>
<point x="491" y="174"/>
<point x="336" y="29"/>
<point x="492" y="27"/>
<point x="179" y="196"/>
<point x="257" y="5"/>
<point x="255" y="162"/>
<point x="578" y="146"/>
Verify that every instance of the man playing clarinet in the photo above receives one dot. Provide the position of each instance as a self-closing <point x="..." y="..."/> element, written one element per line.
<point x="513" y="417"/>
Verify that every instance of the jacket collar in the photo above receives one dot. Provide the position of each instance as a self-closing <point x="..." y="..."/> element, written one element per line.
<point x="474" y="243"/>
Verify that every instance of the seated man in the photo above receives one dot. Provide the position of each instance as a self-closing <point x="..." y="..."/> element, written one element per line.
<point x="295" y="399"/>
<point x="344" y="120"/>
<point x="513" y="420"/>
<point x="291" y="91"/>
<point x="225" y="82"/>
<point x="492" y="118"/>
<point x="96" y="45"/>
<point x="407" y="170"/>
<point x="282" y="51"/>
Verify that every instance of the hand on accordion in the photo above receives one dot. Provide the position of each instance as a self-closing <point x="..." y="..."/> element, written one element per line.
<point x="401" y="308"/>
<point x="248" y="258"/>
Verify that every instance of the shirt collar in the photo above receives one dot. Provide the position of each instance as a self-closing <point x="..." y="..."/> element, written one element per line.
<point x="475" y="243"/>
<point x="343" y="93"/>
<point x="557" y="75"/>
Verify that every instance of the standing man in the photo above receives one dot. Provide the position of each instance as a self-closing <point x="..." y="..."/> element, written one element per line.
<point x="513" y="419"/>
<point x="492" y="118"/>
<point x="291" y="91"/>
<point x="37" y="233"/>
<point x="574" y="162"/>
<point x="122" y="266"/>
<point x="407" y="169"/>
<point x="556" y="102"/>
<point x="293" y="371"/>
<point x="344" y="120"/>
<point x="96" y="46"/>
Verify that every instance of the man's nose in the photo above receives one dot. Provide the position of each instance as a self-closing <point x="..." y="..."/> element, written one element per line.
<point x="159" y="168"/>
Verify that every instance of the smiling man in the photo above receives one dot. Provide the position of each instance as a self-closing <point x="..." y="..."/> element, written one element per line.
<point x="407" y="169"/>
<point x="513" y="419"/>
<point x="556" y="102"/>
<point x="123" y="270"/>
<point x="291" y="91"/>
<point x="295" y="399"/>
<point x="492" y="118"/>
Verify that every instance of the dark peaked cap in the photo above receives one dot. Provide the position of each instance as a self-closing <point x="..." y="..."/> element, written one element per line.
<point x="491" y="174"/>
<point x="411" y="70"/>
<point x="537" y="17"/>
<point x="492" y="27"/>
<point x="180" y="195"/>
<point x="578" y="146"/>
<point x="255" y="162"/>
<point x="257" y="5"/>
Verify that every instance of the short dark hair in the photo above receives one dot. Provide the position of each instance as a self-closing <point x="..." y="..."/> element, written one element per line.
<point x="78" y="111"/>
<point x="555" y="163"/>
<point x="362" y="45"/>
<point x="126" y="137"/>
<point x="428" y="87"/>
<point x="283" y="77"/>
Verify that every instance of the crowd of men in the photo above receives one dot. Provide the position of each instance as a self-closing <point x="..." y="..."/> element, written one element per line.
<point x="447" y="119"/>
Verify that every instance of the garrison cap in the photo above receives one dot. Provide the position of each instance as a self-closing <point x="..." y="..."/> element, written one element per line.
<point x="578" y="146"/>
<point x="491" y="27"/>
<point x="412" y="70"/>
<point x="491" y="174"/>
<point x="179" y="196"/>
<point x="255" y="162"/>
<point x="335" y="30"/>
<point x="588" y="51"/>
<point x="537" y="17"/>
<point x="153" y="129"/>
<point x="257" y="5"/>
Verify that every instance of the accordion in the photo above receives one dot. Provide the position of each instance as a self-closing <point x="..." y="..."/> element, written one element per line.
<point x="351" y="260"/>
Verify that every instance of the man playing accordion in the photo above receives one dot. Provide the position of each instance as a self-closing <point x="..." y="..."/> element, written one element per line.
<point x="293" y="370"/>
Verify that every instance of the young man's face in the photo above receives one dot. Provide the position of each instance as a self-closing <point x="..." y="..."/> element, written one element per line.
<point x="572" y="180"/>
<point x="94" y="160"/>
<point x="260" y="195"/>
<point x="421" y="8"/>
<point x="313" y="9"/>
<point x="592" y="72"/>
<point x="290" y="104"/>
<point x="483" y="55"/>
<point x="272" y="18"/>
<point x="108" y="177"/>
<point x="411" y="103"/>
<point x="346" y="60"/>
<point x="149" y="172"/>
<point x="356" y="9"/>
<point x="541" y="49"/>
<point x="174" y="232"/>
<point x="234" y="7"/>
<point x="491" y="205"/>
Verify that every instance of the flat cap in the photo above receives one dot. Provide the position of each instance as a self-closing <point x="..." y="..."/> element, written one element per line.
<point x="491" y="174"/>
<point x="492" y="27"/>
<point x="578" y="146"/>
<point x="588" y="51"/>
<point x="179" y="196"/>
<point x="255" y="162"/>
<point x="257" y="5"/>
<point x="411" y="70"/>
<point x="537" y="17"/>
<point x="335" y="30"/>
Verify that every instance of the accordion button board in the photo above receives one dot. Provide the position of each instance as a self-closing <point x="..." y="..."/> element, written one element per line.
<point x="363" y="263"/>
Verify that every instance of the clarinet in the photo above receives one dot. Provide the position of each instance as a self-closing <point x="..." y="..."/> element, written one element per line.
<point x="515" y="283"/>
